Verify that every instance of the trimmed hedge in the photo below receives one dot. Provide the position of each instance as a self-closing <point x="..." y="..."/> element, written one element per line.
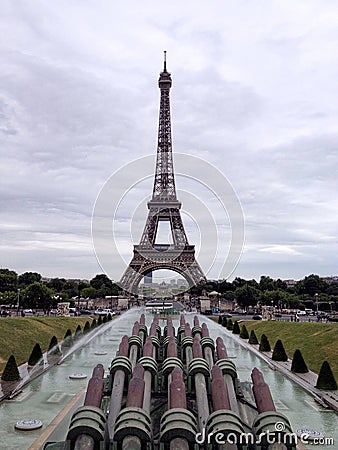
<point x="230" y="324"/>
<point x="253" y="338"/>
<point x="86" y="327"/>
<point x="11" y="371"/>
<point x="53" y="348"/>
<point x="279" y="353"/>
<point x="244" y="332"/>
<point x="68" y="339"/>
<point x="326" y="380"/>
<point x="298" y="364"/>
<point x="236" y="329"/>
<point x="264" y="345"/>
<point x="35" y="356"/>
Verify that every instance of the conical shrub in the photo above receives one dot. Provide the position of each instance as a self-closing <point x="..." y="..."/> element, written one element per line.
<point x="236" y="329"/>
<point x="68" y="339"/>
<point x="94" y="324"/>
<point x="78" y="332"/>
<point x="109" y="317"/>
<point x="279" y="353"/>
<point x="298" y="364"/>
<point x="99" y="321"/>
<point x="35" y="356"/>
<point x="224" y="321"/>
<point x="230" y="324"/>
<point x="220" y="320"/>
<point x="264" y="345"/>
<point x="86" y="327"/>
<point x="326" y="379"/>
<point x="11" y="371"/>
<point x="105" y="319"/>
<point x="53" y="347"/>
<point x="253" y="338"/>
<point x="244" y="332"/>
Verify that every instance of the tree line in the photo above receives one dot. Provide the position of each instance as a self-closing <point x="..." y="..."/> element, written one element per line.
<point x="306" y="293"/>
<point x="30" y="291"/>
<point x="34" y="293"/>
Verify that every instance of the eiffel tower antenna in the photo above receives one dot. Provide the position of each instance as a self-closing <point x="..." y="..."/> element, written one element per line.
<point x="163" y="207"/>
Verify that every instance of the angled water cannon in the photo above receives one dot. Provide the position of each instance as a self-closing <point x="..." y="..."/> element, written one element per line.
<point x="133" y="424"/>
<point x="178" y="424"/>
<point x="87" y="426"/>
<point x="272" y="428"/>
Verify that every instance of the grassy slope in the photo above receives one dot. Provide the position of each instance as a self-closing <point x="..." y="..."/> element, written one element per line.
<point x="316" y="341"/>
<point x="19" y="335"/>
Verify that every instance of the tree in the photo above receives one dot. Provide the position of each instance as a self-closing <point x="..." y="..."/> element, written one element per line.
<point x="28" y="278"/>
<point x="8" y="280"/>
<point x="35" y="356"/>
<point x="326" y="379"/>
<point x="244" y="332"/>
<point x="56" y="284"/>
<point x="37" y="295"/>
<point x="71" y="288"/>
<point x="279" y="353"/>
<point x="239" y="282"/>
<point x="298" y="364"/>
<point x="236" y="329"/>
<point x="103" y="283"/>
<point x="266" y="283"/>
<point x="264" y="345"/>
<point x="247" y="296"/>
<point x="311" y="285"/>
<point x="11" y="371"/>
<point x="253" y="338"/>
<point x="89" y="292"/>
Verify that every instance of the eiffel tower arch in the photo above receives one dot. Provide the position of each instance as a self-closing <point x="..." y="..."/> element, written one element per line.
<point x="179" y="256"/>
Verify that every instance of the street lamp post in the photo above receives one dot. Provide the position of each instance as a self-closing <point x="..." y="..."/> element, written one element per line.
<point x="316" y="297"/>
<point x="18" y="303"/>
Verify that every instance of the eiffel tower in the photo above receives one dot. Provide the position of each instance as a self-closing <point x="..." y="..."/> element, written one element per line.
<point x="164" y="206"/>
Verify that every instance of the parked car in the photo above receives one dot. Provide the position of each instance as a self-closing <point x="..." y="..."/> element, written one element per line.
<point x="85" y="311"/>
<point x="104" y="312"/>
<point x="256" y="317"/>
<point x="227" y="315"/>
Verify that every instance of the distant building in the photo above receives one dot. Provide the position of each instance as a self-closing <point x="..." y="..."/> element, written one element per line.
<point x="330" y="280"/>
<point x="290" y="283"/>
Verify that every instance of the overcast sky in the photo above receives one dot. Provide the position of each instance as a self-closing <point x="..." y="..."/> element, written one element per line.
<point x="254" y="93"/>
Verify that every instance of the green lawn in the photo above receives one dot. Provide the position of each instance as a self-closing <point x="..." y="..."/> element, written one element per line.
<point x="316" y="341"/>
<point x="19" y="335"/>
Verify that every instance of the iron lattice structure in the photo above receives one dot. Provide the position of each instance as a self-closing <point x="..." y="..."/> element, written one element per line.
<point x="178" y="256"/>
